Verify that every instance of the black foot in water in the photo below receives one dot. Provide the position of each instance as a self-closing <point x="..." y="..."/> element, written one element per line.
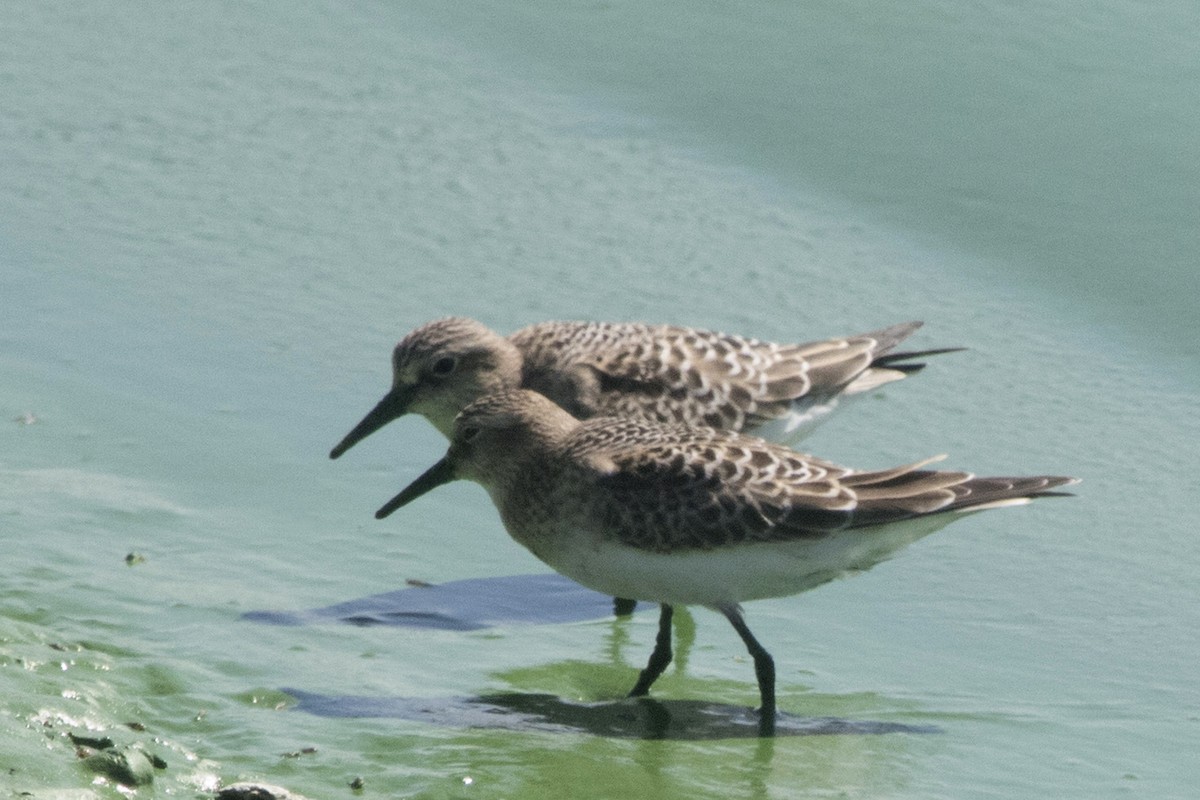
<point x="623" y="606"/>
<point x="766" y="723"/>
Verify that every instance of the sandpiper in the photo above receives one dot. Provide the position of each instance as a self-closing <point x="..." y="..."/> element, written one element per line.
<point x="681" y="515"/>
<point x="655" y="372"/>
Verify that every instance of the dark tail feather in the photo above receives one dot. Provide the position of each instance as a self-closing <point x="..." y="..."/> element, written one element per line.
<point x="1052" y="494"/>
<point x="980" y="491"/>
<point x="894" y="360"/>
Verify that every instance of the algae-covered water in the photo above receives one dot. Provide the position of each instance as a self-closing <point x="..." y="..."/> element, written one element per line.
<point x="216" y="219"/>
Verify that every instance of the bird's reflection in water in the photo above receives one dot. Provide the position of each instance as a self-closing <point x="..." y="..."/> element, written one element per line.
<point x="640" y="718"/>
<point x="649" y="718"/>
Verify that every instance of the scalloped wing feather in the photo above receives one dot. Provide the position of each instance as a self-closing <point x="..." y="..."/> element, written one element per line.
<point x="667" y="489"/>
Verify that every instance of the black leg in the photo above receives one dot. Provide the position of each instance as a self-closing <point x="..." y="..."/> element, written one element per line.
<point x="623" y="606"/>
<point x="661" y="656"/>
<point x="764" y="670"/>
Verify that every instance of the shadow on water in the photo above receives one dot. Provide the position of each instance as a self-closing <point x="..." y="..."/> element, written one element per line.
<point x="464" y="605"/>
<point x="640" y="718"/>
<point x="479" y="603"/>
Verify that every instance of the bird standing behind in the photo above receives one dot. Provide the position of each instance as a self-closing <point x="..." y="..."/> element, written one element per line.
<point x="662" y="373"/>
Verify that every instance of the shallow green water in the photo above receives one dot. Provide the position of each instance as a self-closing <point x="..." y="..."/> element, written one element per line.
<point x="214" y="225"/>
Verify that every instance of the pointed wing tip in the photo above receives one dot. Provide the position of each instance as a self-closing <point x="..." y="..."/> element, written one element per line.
<point x="1053" y="481"/>
<point x="903" y="327"/>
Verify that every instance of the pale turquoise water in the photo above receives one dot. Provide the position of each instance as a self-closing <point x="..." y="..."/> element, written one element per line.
<point x="215" y="223"/>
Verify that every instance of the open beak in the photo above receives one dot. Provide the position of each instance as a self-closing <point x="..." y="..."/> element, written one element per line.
<point x="435" y="476"/>
<point x="393" y="405"/>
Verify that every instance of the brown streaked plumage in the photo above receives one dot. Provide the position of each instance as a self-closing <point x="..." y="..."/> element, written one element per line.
<point x="656" y="372"/>
<point x="683" y="515"/>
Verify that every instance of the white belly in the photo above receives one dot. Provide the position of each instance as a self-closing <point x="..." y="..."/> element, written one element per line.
<point x="733" y="574"/>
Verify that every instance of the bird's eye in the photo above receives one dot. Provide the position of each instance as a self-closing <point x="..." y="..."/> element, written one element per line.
<point x="468" y="433"/>
<point x="444" y="366"/>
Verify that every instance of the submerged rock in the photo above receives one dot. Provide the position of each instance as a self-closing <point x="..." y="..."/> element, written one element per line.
<point x="247" y="790"/>
<point x="128" y="766"/>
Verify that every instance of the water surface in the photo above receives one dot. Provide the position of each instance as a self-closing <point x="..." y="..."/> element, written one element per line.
<point x="214" y="224"/>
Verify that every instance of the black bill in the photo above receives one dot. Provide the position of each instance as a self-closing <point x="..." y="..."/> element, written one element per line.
<point x="435" y="476"/>
<point x="393" y="405"/>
